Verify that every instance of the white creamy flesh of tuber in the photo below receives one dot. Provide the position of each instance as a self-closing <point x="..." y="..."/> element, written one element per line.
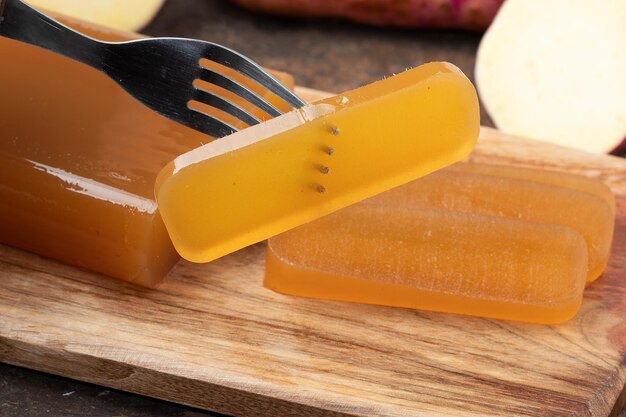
<point x="128" y="15"/>
<point x="555" y="70"/>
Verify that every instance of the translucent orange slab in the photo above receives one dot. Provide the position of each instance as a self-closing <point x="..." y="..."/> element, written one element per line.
<point x="435" y="260"/>
<point x="544" y="176"/>
<point x="78" y="161"/>
<point x="300" y="166"/>
<point x="582" y="203"/>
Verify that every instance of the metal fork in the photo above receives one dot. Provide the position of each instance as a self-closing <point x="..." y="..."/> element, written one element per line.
<point x="159" y="72"/>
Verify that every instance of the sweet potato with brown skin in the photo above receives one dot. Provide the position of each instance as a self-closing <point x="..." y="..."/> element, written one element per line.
<point x="464" y="14"/>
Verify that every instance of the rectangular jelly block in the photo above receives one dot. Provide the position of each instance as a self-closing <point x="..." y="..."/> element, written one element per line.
<point x="465" y="263"/>
<point x="307" y="163"/>
<point x="544" y="176"/>
<point x="584" y="204"/>
<point x="78" y="161"/>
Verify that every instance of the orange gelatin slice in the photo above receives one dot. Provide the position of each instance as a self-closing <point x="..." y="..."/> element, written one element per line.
<point x="544" y="176"/>
<point x="78" y="162"/>
<point x="584" y="204"/>
<point x="307" y="163"/>
<point x="436" y="260"/>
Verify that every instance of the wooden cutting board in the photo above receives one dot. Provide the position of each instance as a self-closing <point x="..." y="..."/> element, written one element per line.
<point x="214" y="338"/>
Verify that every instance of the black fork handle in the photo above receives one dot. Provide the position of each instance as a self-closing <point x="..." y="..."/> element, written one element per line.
<point x="24" y="23"/>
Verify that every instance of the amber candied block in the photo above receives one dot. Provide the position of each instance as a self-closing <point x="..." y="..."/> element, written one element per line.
<point x="542" y="176"/>
<point x="487" y="240"/>
<point x="584" y="204"/>
<point x="312" y="161"/>
<point x="78" y="161"/>
<point x="435" y="260"/>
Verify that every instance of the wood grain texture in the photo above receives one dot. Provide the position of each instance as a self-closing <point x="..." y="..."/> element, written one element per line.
<point x="214" y="338"/>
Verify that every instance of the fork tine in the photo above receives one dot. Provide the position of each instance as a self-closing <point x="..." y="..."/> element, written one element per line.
<point x="240" y="63"/>
<point x="207" y="124"/>
<point x="241" y="90"/>
<point x="218" y="102"/>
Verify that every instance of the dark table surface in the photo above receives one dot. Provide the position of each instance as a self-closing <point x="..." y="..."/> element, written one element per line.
<point x="327" y="55"/>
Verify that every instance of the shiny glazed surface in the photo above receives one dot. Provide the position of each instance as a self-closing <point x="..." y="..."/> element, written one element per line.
<point x="78" y="161"/>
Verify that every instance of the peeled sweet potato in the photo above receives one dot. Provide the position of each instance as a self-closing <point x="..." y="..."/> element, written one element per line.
<point x="126" y="15"/>
<point x="464" y="14"/>
<point x="555" y="70"/>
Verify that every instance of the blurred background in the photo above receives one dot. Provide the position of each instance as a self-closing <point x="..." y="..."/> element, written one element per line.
<point x="330" y="54"/>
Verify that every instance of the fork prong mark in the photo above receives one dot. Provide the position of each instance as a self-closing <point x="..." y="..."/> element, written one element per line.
<point x="218" y="102"/>
<point x="241" y="90"/>
<point x="244" y="65"/>
<point x="208" y="124"/>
